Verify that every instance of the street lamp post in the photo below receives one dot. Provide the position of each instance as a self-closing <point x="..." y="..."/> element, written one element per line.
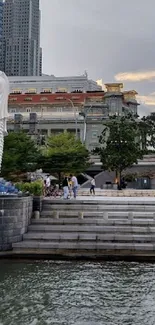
<point x="75" y="116"/>
<point x="84" y="114"/>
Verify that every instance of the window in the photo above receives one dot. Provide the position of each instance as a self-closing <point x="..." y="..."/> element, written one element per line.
<point x="46" y="91"/>
<point x="113" y="105"/>
<point x="27" y="98"/>
<point x="76" y="97"/>
<point x="31" y="91"/>
<point x="12" y="99"/>
<point x="43" y="98"/>
<point x="28" y="110"/>
<point x="94" y="134"/>
<point x="59" y="110"/>
<point x="61" y="90"/>
<point x="16" y="91"/>
<point x="13" y="110"/>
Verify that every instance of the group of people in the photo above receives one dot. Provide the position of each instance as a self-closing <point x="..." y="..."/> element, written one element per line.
<point x="70" y="187"/>
<point x="51" y="190"/>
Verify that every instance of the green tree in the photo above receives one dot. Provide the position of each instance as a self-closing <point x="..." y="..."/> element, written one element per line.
<point x="120" y="144"/>
<point x="64" y="154"/>
<point x="20" y="154"/>
<point x="147" y="132"/>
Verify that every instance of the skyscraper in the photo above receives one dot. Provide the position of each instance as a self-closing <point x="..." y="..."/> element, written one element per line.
<point x="21" y="53"/>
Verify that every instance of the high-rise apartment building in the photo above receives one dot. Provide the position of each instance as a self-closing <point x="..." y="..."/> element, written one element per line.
<point x="1" y="29"/>
<point x="21" y="53"/>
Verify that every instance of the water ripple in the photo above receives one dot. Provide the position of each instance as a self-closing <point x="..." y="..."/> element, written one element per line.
<point x="76" y="293"/>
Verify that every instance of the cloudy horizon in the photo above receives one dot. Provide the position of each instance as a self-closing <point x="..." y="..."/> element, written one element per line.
<point x="112" y="40"/>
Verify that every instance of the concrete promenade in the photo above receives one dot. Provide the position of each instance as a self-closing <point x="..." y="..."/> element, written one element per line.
<point x="118" y="199"/>
<point x="116" y="193"/>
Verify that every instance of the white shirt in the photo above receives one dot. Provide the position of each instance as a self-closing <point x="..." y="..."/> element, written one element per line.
<point x="74" y="181"/>
<point x="48" y="182"/>
<point x="93" y="182"/>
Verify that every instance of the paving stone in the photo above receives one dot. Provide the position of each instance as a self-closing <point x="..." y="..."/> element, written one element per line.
<point x="41" y="236"/>
<point x="87" y="237"/>
<point x="69" y="236"/>
<point x="144" y="247"/>
<point x="106" y="237"/>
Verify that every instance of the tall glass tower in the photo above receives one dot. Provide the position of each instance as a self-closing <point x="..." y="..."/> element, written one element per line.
<point x="21" y="53"/>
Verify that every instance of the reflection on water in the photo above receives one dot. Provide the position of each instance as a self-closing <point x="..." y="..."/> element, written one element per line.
<point x="67" y="293"/>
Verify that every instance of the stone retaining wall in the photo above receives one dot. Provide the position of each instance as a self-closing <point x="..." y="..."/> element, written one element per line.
<point x="15" y="215"/>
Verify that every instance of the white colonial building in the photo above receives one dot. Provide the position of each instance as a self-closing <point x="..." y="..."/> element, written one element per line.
<point x="52" y="84"/>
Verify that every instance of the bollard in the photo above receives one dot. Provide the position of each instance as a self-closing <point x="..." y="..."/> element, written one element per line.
<point x="1" y="213"/>
<point x="80" y="215"/>
<point x="36" y="215"/>
<point x="105" y="216"/>
<point x="130" y="215"/>
<point x="56" y="214"/>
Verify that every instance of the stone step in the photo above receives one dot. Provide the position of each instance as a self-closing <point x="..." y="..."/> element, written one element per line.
<point x="92" y="228"/>
<point x="62" y="246"/>
<point x="87" y="221"/>
<point x="98" y="214"/>
<point x="96" y="208"/>
<point x="106" y="201"/>
<point x="88" y="237"/>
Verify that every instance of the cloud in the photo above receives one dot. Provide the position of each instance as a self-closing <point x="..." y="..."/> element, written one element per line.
<point x="135" y="76"/>
<point x="146" y="100"/>
<point x="100" y="83"/>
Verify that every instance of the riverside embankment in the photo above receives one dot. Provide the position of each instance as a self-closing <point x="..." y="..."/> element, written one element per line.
<point x="92" y="228"/>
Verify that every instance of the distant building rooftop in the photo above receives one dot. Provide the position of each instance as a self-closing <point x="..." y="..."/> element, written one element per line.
<point x="53" y="84"/>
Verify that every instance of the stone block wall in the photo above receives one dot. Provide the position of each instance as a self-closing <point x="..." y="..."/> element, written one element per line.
<point x="15" y="216"/>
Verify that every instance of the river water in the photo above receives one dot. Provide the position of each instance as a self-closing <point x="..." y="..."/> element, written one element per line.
<point x="76" y="293"/>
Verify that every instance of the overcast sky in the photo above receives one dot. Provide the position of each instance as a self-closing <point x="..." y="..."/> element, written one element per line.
<point x="114" y="40"/>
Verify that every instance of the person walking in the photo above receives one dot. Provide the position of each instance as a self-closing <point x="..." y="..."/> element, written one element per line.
<point x="65" y="187"/>
<point x="92" y="186"/>
<point x="74" y="185"/>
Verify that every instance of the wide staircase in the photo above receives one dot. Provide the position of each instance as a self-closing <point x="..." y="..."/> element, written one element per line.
<point x="92" y="229"/>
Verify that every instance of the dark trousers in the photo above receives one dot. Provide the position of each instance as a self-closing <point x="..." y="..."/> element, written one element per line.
<point x="92" y="189"/>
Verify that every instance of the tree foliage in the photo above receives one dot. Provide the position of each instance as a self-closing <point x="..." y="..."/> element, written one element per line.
<point x="20" y="154"/>
<point x="64" y="153"/>
<point x="120" y="143"/>
<point x="147" y="131"/>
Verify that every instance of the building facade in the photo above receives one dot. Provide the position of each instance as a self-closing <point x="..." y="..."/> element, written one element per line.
<point x="51" y="84"/>
<point x="21" y="53"/>
<point x="46" y="114"/>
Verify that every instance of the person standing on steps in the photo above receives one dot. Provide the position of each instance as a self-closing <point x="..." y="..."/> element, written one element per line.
<point x="65" y="187"/>
<point x="74" y="185"/>
<point x="92" y="186"/>
<point x="70" y="187"/>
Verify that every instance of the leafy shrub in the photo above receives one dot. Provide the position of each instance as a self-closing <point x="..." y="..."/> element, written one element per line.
<point x="35" y="188"/>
